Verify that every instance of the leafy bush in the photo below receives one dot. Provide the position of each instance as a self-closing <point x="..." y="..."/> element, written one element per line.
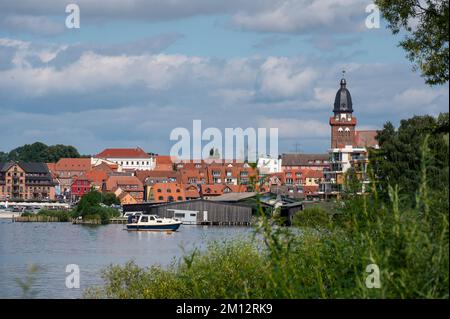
<point x="89" y="206"/>
<point x="315" y="217"/>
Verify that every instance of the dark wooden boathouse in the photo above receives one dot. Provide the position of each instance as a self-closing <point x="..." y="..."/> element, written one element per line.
<point x="205" y="212"/>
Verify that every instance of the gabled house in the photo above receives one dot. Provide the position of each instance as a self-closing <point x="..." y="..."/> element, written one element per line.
<point x="26" y="181"/>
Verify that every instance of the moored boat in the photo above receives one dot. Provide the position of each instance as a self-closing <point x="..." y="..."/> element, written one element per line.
<point x="152" y="222"/>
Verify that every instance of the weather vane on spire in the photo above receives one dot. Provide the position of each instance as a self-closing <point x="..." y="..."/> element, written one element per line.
<point x="343" y="73"/>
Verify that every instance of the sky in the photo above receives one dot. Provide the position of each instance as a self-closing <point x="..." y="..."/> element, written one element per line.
<point x="137" y="69"/>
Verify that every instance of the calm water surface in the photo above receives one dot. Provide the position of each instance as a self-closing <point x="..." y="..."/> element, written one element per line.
<point x="53" y="246"/>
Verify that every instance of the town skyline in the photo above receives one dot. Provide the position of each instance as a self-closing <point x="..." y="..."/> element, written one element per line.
<point x="128" y="80"/>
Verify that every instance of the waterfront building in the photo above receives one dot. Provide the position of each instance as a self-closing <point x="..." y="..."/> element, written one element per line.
<point x="130" y="159"/>
<point x="199" y="211"/>
<point x="26" y="181"/>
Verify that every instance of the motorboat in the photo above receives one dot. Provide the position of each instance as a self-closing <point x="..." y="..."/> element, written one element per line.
<point x="152" y="222"/>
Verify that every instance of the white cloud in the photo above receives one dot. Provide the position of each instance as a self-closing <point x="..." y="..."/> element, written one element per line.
<point x="417" y="97"/>
<point x="138" y="98"/>
<point x="292" y="16"/>
<point x="298" y="16"/>
<point x="284" y="77"/>
<point x="297" y="128"/>
<point x="41" y="25"/>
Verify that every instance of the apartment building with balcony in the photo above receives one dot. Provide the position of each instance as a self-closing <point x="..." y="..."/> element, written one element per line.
<point x="26" y="181"/>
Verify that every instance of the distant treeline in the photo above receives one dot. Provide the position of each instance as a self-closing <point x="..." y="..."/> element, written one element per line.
<point x="40" y="152"/>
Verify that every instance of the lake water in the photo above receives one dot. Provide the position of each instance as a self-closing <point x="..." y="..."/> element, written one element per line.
<point x="52" y="246"/>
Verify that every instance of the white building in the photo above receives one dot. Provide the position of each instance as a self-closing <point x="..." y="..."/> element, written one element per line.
<point x="268" y="165"/>
<point x="128" y="158"/>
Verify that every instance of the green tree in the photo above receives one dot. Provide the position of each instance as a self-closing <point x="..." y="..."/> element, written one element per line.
<point x="3" y="157"/>
<point x="40" y="152"/>
<point x="29" y="153"/>
<point x="55" y="152"/>
<point x="399" y="158"/>
<point x="425" y="24"/>
<point x="110" y="199"/>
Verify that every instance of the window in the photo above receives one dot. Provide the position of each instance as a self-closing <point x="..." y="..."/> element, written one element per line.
<point x="179" y="198"/>
<point x="193" y="215"/>
<point x="179" y="215"/>
<point x="159" y="190"/>
<point x="144" y="219"/>
<point x="161" y="198"/>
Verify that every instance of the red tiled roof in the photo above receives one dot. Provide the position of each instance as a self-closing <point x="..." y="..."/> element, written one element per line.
<point x="104" y="168"/>
<point x="123" y="153"/>
<point x="73" y="164"/>
<point x="312" y="173"/>
<point x="116" y="181"/>
<point x="163" y="159"/>
<point x="191" y="191"/>
<point x="366" y="138"/>
<point x="143" y="175"/>
<point x="96" y="177"/>
<point x="310" y="189"/>
<point x="300" y="159"/>
<point x="51" y="167"/>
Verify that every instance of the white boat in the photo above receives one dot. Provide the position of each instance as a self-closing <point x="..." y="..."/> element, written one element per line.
<point x="152" y="222"/>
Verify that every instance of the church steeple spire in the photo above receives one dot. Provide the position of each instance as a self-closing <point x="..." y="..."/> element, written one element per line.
<point x="343" y="122"/>
<point x="343" y="100"/>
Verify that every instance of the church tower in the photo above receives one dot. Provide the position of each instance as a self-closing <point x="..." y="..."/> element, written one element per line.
<point x="342" y="123"/>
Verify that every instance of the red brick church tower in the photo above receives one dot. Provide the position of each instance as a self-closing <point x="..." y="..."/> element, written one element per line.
<point x="342" y="123"/>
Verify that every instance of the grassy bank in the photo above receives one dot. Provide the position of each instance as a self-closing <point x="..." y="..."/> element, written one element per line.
<point x="47" y="216"/>
<point x="327" y="260"/>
